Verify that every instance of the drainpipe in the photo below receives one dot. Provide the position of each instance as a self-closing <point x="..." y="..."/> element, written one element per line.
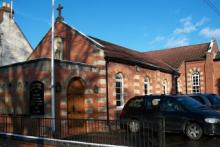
<point x="106" y="77"/>
<point x="186" y="78"/>
<point x="176" y="83"/>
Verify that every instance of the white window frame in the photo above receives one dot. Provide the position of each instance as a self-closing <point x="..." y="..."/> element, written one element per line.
<point x="196" y="82"/>
<point x="165" y="87"/>
<point x="119" y="79"/>
<point x="146" y="86"/>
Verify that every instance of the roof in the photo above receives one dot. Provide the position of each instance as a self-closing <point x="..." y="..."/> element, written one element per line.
<point x="72" y="28"/>
<point x="89" y="38"/>
<point x="123" y="55"/>
<point x="119" y="53"/>
<point x="175" y="56"/>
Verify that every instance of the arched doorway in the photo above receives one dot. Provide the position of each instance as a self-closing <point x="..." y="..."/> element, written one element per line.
<point x="75" y="99"/>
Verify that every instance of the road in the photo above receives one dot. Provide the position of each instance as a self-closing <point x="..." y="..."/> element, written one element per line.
<point x="178" y="140"/>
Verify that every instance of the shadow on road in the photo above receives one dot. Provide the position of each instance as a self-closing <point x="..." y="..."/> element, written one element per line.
<point x="177" y="140"/>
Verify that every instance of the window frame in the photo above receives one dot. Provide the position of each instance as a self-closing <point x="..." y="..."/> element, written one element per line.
<point x="146" y="86"/>
<point x="165" y="87"/>
<point x="196" y="86"/>
<point x="119" y="79"/>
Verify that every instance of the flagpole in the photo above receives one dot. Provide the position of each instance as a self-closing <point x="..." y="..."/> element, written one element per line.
<point x="52" y="73"/>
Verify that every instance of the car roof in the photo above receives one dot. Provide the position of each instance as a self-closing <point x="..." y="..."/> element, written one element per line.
<point x="161" y="96"/>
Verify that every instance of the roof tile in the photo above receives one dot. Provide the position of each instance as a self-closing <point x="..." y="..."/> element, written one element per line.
<point x="116" y="51"/>
<point x="175" y="56"/>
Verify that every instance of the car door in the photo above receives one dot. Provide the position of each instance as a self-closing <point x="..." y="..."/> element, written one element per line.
<point x="174" y="114"/>
<point x="135" y="109"/>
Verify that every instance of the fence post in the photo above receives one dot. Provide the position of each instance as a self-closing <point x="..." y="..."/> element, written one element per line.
<point x="39" y="127"/>
<point x="6" y="124"/>
<point x="162" y="139"/>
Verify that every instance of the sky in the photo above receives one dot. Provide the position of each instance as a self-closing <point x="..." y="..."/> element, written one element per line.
<point x="141" y="25"/>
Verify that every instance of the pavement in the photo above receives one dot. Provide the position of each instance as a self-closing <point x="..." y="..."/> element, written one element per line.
<point x="172" y="140"/>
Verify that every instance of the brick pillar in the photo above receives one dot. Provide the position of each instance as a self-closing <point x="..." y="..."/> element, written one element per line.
<point x="209" y="73"/>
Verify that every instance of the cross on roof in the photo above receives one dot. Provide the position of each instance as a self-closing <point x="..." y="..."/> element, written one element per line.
<point x="59" y="9"/>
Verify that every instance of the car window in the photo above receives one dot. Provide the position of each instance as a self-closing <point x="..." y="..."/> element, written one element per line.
<point x="214" y="99"/>
<point x="171" y="105"/>
<point x="153" y="104"/>
<point x="198" y="99"/>
<point x="189" y="102"/>
<point x="136" y="103"/>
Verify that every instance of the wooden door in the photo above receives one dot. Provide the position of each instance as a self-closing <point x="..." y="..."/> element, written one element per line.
<point x="75" y="99"/>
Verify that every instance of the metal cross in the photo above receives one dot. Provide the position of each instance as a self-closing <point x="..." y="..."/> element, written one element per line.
<point x="59" y="9"/>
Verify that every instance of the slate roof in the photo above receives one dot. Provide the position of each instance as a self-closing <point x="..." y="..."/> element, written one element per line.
<point x="175" y="56"/>
<point x="122" y="54"/>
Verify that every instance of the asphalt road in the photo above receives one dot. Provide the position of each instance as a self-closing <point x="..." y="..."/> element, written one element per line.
<point x="178" y="140"/>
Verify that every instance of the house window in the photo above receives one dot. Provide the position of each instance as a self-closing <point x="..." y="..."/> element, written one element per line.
<point x="146" y="86"/>
<point x="58" y="48"/>
<point x="119" y="90"/>
<point x="195" y="82"/>
<point x="165" y="87"/>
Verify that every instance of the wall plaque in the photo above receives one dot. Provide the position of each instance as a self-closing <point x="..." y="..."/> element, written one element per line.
<point x="37" y="98"/>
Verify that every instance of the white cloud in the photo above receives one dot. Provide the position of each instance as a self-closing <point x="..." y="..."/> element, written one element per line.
<point x="208" y="32"/>
<point x="180" y="35"/>
<point x="157" y="39"/>
<point x="188" y="26"/>
<point x="177" y="41"/>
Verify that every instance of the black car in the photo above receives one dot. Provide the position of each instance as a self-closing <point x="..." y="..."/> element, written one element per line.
<point x="211" y="100"/>
<point x="181" y="113"/>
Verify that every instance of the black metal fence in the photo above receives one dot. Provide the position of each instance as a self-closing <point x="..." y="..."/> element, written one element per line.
<point x="115" y="132"/>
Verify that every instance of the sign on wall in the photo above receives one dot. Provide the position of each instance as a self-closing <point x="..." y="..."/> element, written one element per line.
<point x="37" y="98"/>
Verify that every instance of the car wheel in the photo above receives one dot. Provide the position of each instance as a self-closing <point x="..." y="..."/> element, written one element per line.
<point x="194" y="131"/>
<point x="134" y="126"/>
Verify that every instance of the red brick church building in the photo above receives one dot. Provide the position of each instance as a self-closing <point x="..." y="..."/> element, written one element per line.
<point x="94" y="78"/>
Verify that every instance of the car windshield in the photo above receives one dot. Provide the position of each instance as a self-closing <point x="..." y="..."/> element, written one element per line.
<point x="189" y="102"/>
<point x="214" y="99"/>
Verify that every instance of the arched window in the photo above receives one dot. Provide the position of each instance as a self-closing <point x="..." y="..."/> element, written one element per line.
<point x="119" y="90"/>
<point x="58" y="48"/>
<point x="195" y="82"/>
<point x="165" y="87"/>
<point x="146" y="86"/>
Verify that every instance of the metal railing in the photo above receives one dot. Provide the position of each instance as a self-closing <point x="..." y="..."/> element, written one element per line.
<point x="115" y="132"/>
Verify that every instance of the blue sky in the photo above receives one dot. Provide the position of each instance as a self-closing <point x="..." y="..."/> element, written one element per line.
<point x="137" y="24"/>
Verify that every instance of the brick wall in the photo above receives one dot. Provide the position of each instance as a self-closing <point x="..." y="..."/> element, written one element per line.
<point x="209" y="75"/>
<point x="205" y="72"/>
<point x="78" y="48"/>
<point x="133" y="80"/>
<point x="16" y="79"/>
<point x="191" y="67"/>
<point x="181" y="82"/>
<point x="217" y="77"/>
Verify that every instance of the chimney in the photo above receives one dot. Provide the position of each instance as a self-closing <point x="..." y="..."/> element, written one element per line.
<point x="6" y="11"/>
